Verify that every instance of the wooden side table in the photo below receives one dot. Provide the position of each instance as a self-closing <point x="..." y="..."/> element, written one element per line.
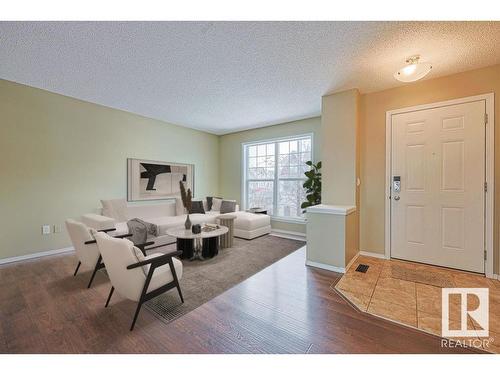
<point x="227" y="220"/>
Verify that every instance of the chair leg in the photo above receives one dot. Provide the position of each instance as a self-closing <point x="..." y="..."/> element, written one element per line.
<point x="139" y="305"/>
<point x="97" y="266"/>
<point x="77" y="268"/>
<point x="174" y="275"/>
<point x="180" y="293"/>
<point x="109" y="297"/>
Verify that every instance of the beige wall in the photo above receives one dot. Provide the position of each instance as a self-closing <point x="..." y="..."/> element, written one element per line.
<point x="230" y="157"/>
<point x="372" y="140"/>
<point x="339" y="127"/>
<point x="59" y="156"/>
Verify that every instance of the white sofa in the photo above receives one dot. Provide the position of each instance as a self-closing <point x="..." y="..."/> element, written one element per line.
<point x="171" y="214"/>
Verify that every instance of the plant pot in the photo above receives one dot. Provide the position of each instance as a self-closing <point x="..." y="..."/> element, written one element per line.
<point x="187" y="223"/>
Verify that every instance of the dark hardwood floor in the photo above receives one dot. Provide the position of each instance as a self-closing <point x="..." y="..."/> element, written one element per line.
<point x="286" y="308"/>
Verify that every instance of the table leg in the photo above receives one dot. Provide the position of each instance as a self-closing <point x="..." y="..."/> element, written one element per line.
<point x="210" y="247"/>
<point x="185" y="245"/>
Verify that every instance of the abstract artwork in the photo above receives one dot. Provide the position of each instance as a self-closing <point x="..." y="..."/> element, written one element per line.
<point x="148" y="180"/>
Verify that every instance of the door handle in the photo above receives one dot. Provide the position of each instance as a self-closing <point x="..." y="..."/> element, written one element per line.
<point x="396" y="198"/>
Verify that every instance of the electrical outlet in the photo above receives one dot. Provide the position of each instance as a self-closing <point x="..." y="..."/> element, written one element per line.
<point x="45" y="229"/>
<point x="57" y="228"/>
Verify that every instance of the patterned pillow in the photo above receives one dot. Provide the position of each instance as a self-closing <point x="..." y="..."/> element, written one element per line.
<point x="216" y="203"/>
<point x="210" y="202"/>
<point x="197" y="207"/>
<point x="227" y="206"/>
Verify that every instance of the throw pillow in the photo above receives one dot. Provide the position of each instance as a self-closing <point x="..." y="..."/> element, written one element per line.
<point x="210" y="202"/>
<point x="115" y="208"/>
<point x="197" y="207"/>
<point x="227" y="206"/>
<point x="216" y="202"/>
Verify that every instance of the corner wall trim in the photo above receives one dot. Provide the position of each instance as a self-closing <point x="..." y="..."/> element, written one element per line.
<point x="36" y="255"/>
<point x="372" y="254"/>
<point x="325" y="266"/>
<point x="288" y="234"/>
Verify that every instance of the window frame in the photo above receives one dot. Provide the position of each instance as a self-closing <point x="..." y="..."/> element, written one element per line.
<point x="245" y="180"/>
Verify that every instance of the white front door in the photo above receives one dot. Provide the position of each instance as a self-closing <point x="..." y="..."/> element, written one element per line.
<point x="438" y="155"/>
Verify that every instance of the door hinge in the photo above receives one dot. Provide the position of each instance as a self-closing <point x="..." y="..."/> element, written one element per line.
<point x="485" y="255"/>
<point x="485" y="186"/>
<point x="485" y="118"/>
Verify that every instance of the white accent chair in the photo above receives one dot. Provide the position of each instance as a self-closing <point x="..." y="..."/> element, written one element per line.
<point x="86" y="248"/>
<point x="135" y="276"/>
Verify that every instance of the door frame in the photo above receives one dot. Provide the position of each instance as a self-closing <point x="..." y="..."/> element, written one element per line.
<point x="490" y="169"/>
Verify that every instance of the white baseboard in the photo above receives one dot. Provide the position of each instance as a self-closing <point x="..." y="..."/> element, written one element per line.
<point x="325" y="266"/>
<point x="36" y="255"/>
<point x="288" y="234"/>
<point x="372" y="254"/>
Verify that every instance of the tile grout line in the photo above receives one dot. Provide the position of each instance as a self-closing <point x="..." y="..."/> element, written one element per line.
<point x="374" y="287"/>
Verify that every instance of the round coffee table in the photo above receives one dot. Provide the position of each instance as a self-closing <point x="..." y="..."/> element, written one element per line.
<point x="197" y="245"/>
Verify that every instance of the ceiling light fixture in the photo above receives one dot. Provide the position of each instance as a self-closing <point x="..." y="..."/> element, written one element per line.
<point x="413" y="70"/>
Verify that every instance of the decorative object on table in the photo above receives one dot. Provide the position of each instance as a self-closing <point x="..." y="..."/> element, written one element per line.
<point x="210" y="227"/>
<point x="197" y="207"/>
<point x="210" y="201"/>
<point x="257" y="210"/>
<point x="227" y="240"/>
<point x="196" y="228"/>
<point x="149" y="180"/>
<point x="312" y="185"/>
<point x="227" y="206"/>
<point x="187" y="202"/>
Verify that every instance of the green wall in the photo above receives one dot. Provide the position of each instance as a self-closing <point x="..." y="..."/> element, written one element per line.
<point x="60" y="156"/>
<point x="231" y="152"/>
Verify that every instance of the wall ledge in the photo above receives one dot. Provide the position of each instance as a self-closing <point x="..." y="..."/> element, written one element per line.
<point x="331" y="209"/>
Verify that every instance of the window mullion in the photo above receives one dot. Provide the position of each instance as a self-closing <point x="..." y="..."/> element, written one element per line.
<point x="275" y="192"/>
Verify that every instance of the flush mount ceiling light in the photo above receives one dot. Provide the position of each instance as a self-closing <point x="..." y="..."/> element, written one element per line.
<point x="413" y="70"/>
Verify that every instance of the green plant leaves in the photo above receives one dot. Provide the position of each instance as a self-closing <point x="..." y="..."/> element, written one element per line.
<point x="312" y="185"/>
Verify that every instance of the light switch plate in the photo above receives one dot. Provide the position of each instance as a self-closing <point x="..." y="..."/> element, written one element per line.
<point x="45" y="229"/>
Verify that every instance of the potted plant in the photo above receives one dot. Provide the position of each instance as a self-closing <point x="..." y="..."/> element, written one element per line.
<point x="312" y="185"/>
<point x="187" y="201"/>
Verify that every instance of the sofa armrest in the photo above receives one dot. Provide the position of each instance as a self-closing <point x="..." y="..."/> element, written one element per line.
<point x="98" y="222"/>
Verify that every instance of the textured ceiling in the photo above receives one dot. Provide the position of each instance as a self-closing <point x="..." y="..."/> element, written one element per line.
<point x="225" y="76"/>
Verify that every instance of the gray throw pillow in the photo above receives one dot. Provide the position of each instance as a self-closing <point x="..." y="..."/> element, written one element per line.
<point x="227" y="206"/>
<point x="197" y="207"/>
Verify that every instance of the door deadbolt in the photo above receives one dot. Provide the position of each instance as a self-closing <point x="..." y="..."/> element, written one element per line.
<point x="396" y="183"/>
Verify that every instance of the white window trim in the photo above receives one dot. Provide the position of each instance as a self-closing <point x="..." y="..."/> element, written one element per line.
<point x="244" y="145"/>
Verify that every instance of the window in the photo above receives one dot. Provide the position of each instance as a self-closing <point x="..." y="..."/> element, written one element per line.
<point x="274" y="174"/>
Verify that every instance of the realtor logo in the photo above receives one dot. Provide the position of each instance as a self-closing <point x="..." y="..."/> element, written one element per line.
<point x="479" y="314"/>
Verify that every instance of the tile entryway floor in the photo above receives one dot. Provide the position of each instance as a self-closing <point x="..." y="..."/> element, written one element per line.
<point x="410" y="294"/>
